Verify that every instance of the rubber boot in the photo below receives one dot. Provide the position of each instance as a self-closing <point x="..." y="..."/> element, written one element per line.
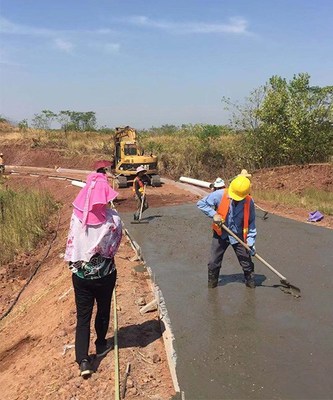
<point x="213" y="278"/>
<point x="249" y="280"/>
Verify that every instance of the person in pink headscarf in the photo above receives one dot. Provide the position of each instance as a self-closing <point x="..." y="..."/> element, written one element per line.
<point x="94" y="236"/>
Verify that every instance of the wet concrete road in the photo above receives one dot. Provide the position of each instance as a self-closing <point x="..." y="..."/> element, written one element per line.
<point x="233" y="342"/>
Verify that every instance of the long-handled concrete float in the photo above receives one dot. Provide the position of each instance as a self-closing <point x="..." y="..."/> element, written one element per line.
<point x="287" y="287"/>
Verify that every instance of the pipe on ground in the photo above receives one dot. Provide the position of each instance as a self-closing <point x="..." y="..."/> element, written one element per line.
<point x="196" y="182"/>
<point x="79" y="184"/>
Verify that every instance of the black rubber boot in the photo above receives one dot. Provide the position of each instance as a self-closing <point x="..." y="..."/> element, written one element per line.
<point x="85" y="368"/>
<point x="213" y="278"/>
<point x="249" y="280"/>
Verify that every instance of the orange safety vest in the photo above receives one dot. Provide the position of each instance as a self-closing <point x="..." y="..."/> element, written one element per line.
<point x="140" y="184"/>
<point x="223" y="209"/>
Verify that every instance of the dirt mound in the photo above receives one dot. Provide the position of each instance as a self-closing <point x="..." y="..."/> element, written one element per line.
<point x="296" y="178"/>
<point x="28" y="155"/>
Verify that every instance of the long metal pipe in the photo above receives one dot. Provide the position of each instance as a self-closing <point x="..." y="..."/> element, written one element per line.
<point x="196" y="182"/>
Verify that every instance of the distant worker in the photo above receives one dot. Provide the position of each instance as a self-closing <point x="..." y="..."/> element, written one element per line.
<point x="2" y="164"/>
<point x="245" y="173"/>
<point x="217" y="184"/>
<point x="103" y="166"/>
<point x="233" y="207"/>
<point x="94" y="236"/>
<point x="139" y="188"/>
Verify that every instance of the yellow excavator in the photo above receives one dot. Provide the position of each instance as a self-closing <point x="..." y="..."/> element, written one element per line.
<point x="128" y="156"/>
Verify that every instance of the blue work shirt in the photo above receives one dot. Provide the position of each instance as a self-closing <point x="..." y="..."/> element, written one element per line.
<point x="235" y="217"/>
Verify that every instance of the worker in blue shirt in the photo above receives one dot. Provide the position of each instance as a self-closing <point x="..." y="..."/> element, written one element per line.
<point x="233" y="207"/>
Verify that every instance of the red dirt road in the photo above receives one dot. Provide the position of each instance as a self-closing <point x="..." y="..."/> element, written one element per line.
<point x="33" y="362"/>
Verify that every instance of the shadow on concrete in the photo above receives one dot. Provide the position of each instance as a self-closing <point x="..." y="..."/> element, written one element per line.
<point x="151" y="217"/>
<point x="232" y="278"/>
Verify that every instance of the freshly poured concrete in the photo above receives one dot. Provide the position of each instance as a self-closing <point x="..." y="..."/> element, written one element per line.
<point x="233" y="342"/>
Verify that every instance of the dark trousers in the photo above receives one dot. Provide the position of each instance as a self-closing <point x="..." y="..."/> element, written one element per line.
<point x="138" y="203"/>
<point x="218" y="248"/>
<point x="86" y="292"/>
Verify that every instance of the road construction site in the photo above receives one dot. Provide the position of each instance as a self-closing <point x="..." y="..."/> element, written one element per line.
<point x="233" y="342"/>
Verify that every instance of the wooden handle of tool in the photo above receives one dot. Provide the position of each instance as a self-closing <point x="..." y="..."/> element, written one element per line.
<point x="231" y="233"/>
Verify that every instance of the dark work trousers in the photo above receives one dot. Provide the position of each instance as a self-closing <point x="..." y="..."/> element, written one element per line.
<point x="218" y="248"/>
<point x="86" y="292"/>
<point x="138" y="202"/>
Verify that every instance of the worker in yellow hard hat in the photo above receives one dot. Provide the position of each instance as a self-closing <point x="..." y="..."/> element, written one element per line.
<point x="233" y="207"/>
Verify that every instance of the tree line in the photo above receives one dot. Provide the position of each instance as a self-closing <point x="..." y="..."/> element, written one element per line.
<point x="68" y="120"/>
<point x="281" y="122"/>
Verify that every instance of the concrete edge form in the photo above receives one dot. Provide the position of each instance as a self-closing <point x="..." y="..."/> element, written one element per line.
<point x="165" y="322"/>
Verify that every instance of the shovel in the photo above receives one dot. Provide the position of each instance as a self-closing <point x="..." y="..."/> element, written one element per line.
<point x="141" y="208"/>
<point x="287" y="287"/>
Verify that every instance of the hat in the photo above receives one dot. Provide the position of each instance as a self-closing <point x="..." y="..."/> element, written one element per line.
<point x="90" y="203"/>
<point x="239" y="188"/>
<point x="315" y="216"/>
<point x="244" y="173"/>
<point x="141" y="168"/>
<point x="102" y="164"/>
<point x="219" y="183"/>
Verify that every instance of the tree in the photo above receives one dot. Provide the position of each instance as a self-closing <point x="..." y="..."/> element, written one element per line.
<point x="23" y="125"/>
<point x="43" y="120"/>
<point x="287" y="122"/>
<point x="77" y="121"/>
<point x="64" y="119"/>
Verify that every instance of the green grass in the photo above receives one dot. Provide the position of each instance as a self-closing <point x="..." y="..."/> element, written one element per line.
<point x="312" y="199"/>
<point x="24" y="217"/>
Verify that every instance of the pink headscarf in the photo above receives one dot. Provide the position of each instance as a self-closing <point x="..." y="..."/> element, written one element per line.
<point x="90" y="203"/>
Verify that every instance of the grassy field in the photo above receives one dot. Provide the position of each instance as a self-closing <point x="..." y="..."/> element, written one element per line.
<point x="310" y="199"/>
<point x="24" y="217"/>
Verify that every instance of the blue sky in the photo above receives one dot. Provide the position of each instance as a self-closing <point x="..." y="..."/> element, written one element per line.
<point x="151" y="62"/>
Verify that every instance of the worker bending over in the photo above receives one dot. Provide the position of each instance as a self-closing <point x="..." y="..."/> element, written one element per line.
<point x="233" y="207"/>
<point x="217" y="184"/>
<point x="140" y="181"/>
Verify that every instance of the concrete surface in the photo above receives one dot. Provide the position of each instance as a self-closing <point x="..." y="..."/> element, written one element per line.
<point x="233" y="342"/>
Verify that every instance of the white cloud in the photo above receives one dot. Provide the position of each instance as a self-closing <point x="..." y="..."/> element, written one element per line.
<point x="63" y="40"/>
<point x="104" y="31"/>
<point x="111" y="48"/>
<point x="63" y="45"/>
<point x="108" y="48"/>
<point x="5" y="59"/>
<point x="11" y="28"/>
<point x="235" y="25"/>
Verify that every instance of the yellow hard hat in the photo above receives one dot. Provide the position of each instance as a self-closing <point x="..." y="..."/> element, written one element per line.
<point x="239" y="188"/>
